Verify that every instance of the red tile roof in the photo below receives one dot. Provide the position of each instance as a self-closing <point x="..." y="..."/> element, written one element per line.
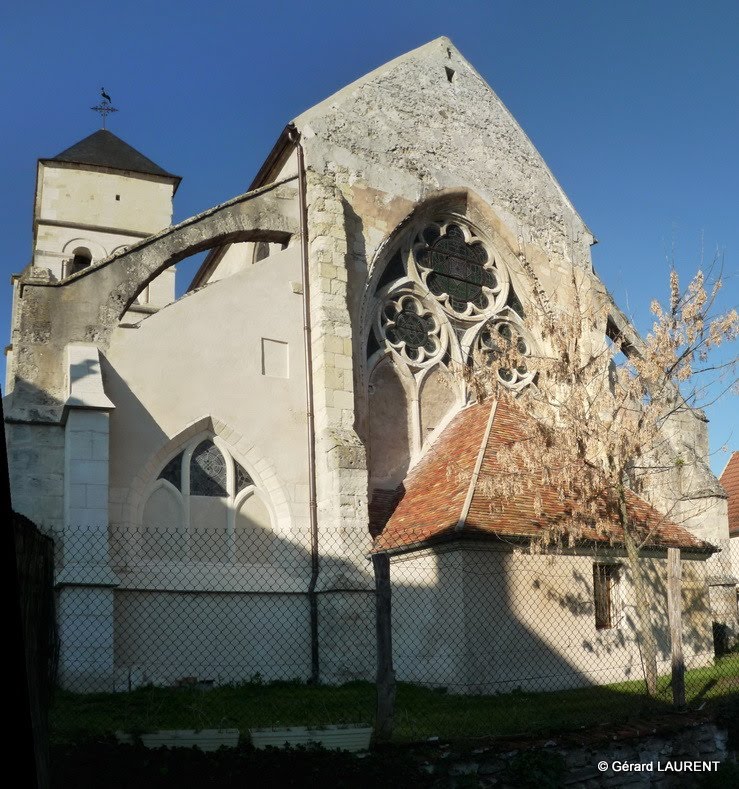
<point x="729" y="479"/>
<point x="432" y="502"/>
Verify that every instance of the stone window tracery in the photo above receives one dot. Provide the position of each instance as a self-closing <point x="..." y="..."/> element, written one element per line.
<point x="410" y="328"/>
<point x="502" y="343"/>
<point x="243" y="480"/>
<point x="207" y="471"/>
<point x="219" y="508"/>
<point x="457" y="269"/>
<point x="443" y="301"/>
<point x="445" y="295"/>
<point x="172" y="472"/>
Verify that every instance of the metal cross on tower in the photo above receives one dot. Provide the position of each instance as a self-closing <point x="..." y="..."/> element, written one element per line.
<point x="105" y="107"/>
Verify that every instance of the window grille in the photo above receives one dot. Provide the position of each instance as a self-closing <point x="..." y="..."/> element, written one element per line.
<point x="606" y="595"/>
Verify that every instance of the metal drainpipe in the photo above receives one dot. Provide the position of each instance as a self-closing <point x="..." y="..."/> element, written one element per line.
<point x="294" y="136"/>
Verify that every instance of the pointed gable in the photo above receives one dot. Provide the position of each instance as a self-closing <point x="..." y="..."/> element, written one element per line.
<point x="429" y="121"/>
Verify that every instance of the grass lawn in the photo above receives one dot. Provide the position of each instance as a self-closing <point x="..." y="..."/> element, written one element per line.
<point x="420" y="712"/>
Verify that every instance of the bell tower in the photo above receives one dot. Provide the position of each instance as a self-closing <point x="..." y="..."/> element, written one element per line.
<point x="93" y="200"/>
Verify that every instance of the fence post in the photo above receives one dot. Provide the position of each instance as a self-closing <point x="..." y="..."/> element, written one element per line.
<point x="674" y="612"/>
<point x="385" y="674"/>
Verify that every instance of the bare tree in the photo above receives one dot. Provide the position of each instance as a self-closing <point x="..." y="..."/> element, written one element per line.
<point x="599" y="408"/>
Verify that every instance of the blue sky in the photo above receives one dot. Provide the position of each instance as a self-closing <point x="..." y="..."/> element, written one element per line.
<point x="634" y="106"/>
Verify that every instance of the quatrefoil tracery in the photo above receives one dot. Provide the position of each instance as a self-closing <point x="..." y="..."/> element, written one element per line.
<point x="444" y="296"/>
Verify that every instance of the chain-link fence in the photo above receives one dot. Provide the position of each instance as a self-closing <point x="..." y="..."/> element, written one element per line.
<point x="511" y="641"/>
<point x="226" y="629"/>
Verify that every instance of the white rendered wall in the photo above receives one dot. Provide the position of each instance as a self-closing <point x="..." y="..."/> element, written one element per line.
<point x="487" y="621"/>
<point x="70" y="194"/>
<point x="203" y="356"/>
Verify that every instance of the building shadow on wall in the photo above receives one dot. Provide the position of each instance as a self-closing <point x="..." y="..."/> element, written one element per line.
<point x="132" y="427"/>
<point x="486" y="641"/>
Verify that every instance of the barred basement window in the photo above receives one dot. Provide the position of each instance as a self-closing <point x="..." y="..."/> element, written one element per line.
<point x="606" y="595"/>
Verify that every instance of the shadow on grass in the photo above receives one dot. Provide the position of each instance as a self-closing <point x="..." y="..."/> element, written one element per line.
<point x="421" y="712"/>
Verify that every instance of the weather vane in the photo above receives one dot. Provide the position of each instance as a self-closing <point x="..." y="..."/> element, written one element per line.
<point x="105" y="107"/>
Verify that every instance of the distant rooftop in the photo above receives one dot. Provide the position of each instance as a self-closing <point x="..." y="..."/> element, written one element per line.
<point x="730" y="480"/>
<point x="104" y="149"/>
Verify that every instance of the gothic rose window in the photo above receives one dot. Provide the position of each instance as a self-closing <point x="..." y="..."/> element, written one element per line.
<point x="446" y="296"/>
<point x="410" y="328"/>
<point x="456" y="270"/>
<point x="502" y="344"/>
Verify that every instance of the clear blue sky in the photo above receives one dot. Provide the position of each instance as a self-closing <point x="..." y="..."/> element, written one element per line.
<point x="634" y="106"/>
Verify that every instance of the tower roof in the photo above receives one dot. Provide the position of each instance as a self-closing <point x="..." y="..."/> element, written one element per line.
<point x="104" y="149"/>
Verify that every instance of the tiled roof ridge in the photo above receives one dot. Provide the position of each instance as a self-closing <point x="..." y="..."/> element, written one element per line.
<point x="474" y="479"/>
<point x="434" y="495"/>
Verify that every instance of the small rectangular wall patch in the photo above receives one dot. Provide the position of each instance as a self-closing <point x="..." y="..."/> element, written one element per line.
<point x="274" y="358"/>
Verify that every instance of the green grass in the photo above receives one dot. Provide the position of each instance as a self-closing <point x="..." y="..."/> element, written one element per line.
<point x="420" y="712"/>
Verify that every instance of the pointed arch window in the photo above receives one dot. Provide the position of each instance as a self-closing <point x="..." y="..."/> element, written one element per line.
<point x="440" y="298"/>
<point x="208" y="471"/>
<point x="215" y="495"/>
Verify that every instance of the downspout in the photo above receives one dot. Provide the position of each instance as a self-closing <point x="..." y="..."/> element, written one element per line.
<point x="294" y="137"/>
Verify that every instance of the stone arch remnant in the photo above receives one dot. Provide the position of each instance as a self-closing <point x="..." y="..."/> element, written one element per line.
<point x="86" y="307"/>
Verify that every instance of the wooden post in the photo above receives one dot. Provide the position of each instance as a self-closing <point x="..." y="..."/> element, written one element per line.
<point x="385" y="712"/>
<point x="674" y="612"/>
